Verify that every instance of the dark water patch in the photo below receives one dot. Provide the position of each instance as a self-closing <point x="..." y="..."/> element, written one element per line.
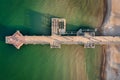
<point x="8" y="30"/>
<point x="40" y="23"/>
<point x="71" y="27"/>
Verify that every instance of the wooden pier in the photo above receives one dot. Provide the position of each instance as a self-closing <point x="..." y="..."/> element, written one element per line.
<point x="55" y="40"/>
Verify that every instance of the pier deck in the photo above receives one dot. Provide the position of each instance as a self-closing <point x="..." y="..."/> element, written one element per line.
<point x="56" y="40"/>
<point x="58" y="27"/>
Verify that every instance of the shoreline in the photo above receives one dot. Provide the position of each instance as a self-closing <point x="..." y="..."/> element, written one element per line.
<point x="110" y="27"/>
<point x="106" y="18"/>
<point x="103" y="64"/>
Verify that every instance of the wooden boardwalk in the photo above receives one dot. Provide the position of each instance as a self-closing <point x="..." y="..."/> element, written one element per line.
<point x="55" y="41"/>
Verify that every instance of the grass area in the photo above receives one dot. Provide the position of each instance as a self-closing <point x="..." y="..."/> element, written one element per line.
<point x="36" y="63"/>
<point x="93" y="63"/>
<point x="39" y="62"/>
<point x="77" y="12"/>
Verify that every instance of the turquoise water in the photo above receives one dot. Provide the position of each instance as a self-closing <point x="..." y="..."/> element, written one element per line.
<point x="39" y="62"/>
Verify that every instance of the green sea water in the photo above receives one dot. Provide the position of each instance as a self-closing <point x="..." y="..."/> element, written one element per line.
<point x="39" y="62"/>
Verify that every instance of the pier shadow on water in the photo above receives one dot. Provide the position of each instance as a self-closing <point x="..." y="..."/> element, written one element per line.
<point x="36" y="23"/>
<point x="40" y="24"/>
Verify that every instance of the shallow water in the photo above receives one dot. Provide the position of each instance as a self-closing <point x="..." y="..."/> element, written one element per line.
<point x="39" y="62"/>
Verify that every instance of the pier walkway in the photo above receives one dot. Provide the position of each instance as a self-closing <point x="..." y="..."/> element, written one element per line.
<point x="55" y="41"/>
<point x="58" y="28"/>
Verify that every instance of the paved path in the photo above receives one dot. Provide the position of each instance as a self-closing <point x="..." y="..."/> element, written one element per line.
<point x="18" y="40"/>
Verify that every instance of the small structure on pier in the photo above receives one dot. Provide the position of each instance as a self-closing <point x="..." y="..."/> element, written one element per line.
<point x="58" y="26"/>
<point x="89" y="45"/>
